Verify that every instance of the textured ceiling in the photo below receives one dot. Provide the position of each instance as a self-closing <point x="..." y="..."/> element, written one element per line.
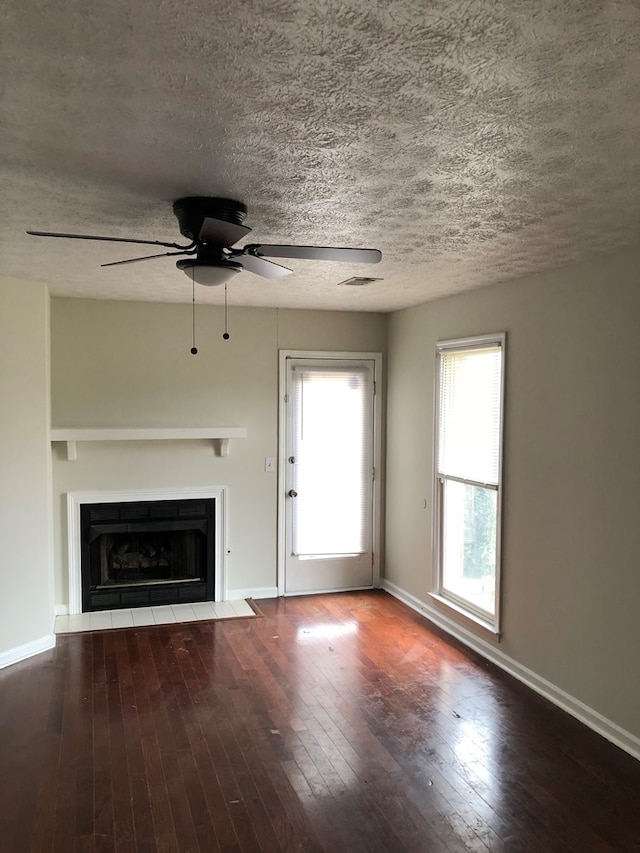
<point x="472" y="142"/>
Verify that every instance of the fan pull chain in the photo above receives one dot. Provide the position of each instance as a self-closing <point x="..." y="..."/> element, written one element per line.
<point x="194" y="348"/>
<point x="226" y="335"/>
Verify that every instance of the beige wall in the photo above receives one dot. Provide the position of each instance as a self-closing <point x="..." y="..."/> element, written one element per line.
<point x="128" y="364"/>
<point x="571" y="537"/>
<point x="571" y="541"/>
<point x="26" y="602"/>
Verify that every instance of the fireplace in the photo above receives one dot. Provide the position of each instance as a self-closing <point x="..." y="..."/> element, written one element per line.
<point x="145" y="553"/>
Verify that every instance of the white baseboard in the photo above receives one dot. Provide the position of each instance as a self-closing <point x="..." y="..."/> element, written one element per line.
<point x="594" y="720"/>
<point x="27" y="650"/>
<point x="61" y="610"/>
<point x="257" y="592"/>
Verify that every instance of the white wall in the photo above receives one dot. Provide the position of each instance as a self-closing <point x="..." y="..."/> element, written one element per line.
<point x="128" y="364"/>
<point x="571" y="537"/>
<point x="26" y="602"/>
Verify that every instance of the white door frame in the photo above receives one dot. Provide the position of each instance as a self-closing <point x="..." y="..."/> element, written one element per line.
<point x="376" y="496"/>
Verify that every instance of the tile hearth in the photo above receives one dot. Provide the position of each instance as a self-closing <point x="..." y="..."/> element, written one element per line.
<point x="104" y="620"/>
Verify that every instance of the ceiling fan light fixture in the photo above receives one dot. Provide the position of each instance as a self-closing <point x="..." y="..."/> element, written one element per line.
<point x="209" y="274"/>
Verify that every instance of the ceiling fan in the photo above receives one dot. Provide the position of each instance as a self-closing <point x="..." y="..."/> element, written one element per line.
<point x="214" y="226"/>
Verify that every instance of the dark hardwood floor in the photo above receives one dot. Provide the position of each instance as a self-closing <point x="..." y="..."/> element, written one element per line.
<point x="334" y="723"/>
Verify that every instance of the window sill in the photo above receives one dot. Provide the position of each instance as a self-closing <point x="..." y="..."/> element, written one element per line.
<point x="477" y="621"/>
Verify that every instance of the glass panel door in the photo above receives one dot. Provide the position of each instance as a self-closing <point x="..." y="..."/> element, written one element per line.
<point x="329" y="474"/>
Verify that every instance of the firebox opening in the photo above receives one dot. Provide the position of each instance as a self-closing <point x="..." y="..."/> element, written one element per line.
<point x="122" y="559"/>
<point x="145" y="553"/>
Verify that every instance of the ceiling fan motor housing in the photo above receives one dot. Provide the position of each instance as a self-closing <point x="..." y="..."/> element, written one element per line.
<point x="193" y="210"/>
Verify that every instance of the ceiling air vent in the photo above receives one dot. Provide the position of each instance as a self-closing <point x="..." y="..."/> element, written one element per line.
<point x="357" y="281"/>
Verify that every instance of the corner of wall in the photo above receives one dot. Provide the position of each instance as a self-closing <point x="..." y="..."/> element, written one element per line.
<point x="27" y="650"/>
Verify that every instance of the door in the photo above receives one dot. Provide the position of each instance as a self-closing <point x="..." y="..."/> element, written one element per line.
<point x="329" y="474"/>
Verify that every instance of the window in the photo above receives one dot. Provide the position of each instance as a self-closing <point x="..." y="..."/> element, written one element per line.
<point x="468" y="474"/>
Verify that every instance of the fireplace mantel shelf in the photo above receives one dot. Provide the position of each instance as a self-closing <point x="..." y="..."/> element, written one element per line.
<point x="221" y="435"/>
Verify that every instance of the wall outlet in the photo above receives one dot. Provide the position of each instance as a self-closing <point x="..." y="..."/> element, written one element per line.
<point x="269" y="464"/>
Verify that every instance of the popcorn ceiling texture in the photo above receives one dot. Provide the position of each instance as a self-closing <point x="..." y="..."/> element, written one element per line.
<point x="472" y="142"/>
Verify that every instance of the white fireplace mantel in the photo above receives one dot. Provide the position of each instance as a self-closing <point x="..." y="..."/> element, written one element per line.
<point x="221" y="435"/>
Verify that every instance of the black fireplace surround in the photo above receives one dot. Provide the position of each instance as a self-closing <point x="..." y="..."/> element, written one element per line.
<point x="144" y="553"/>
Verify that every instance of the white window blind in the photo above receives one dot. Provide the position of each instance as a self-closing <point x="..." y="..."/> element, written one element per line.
<point x="332" y="473"/>
<point x="469" y="427"/>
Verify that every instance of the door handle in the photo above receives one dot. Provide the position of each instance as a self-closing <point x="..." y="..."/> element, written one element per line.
<point x="293" y="493"/>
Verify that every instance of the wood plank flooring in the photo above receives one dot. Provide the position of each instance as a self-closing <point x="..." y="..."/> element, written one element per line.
<point x="335" y="723"/>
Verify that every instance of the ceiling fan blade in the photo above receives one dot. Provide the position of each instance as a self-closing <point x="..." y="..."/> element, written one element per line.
<point x="260" y="266"/>
<point x="106" y="239"/>
<point x="318" y="253"/>
<point x="221" y="233"/>
<point x="144" y="258"/>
